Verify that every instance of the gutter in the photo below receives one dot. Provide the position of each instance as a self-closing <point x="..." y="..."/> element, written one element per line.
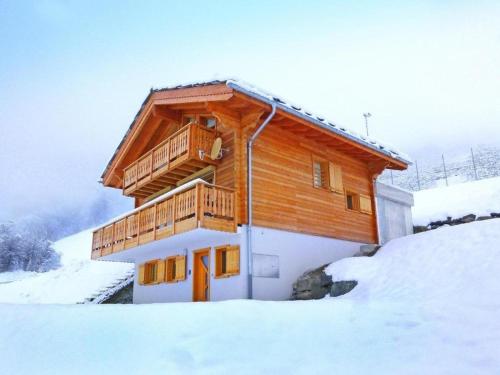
<point x="249" y="196"/>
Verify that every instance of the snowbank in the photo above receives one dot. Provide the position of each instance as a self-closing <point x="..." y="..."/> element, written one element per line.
<point x="425" y="304"/>
<point x="476" y="197"/>
<point x="78" y="277"/>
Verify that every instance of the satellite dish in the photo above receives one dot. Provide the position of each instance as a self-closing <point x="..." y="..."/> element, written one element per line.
<point x="216" y="149"/>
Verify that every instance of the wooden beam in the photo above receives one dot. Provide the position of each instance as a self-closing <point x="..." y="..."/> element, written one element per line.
<point x="222" y="111"/>
<point x="166" y="113"/>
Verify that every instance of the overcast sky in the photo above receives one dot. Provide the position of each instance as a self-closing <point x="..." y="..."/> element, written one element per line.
<point x="73" y="75"/>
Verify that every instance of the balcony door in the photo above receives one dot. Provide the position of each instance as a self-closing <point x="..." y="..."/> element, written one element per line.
<point x="201" y="275"/>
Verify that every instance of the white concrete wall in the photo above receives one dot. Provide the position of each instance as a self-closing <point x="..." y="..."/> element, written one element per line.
<point x="394" y="212"/>
<point x="233" y="287"/>
<point x="297" y="254"/>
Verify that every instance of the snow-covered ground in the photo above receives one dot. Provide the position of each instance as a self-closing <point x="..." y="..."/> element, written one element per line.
<point x="425" y="304"/>
<point x="476" y="197"/>
<point x="77" y="278"/>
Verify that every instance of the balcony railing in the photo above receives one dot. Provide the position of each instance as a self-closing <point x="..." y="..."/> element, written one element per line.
<point x="198" y="206"/>
<point x="150" y="172"/>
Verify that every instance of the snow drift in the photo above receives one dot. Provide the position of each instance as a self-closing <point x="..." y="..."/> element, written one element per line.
<point x="425" y="304"/>
<point x="480" y="198"/>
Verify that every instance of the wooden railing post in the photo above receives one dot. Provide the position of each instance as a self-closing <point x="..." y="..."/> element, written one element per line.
<point x="138" y="222"/>
<point x="113" y="237"/>
<point x="174" y="212"/>
<point x="197" y="213"/>
<point x="154" y="220"/>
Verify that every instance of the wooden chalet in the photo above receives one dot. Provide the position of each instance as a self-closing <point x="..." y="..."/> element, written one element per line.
<point x="185" y="161"/>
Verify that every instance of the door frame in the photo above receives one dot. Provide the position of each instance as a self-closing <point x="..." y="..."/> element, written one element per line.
<point x="196" y="254"/>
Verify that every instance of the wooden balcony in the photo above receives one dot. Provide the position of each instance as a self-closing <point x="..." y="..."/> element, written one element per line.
<point x="171" y="161"/>
<point x="199" y="206"/>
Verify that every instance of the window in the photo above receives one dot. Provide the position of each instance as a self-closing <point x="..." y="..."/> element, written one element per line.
<point x="152" y="272"/>
<point x="319" y="174"/>
<point x="358" y="202"/>
<point x="176" y="268"/>
<point x="327" y="175"/>
<point x="208" y="121"/>
<point x="352" y="201"/>
<point x="227" y="261"/>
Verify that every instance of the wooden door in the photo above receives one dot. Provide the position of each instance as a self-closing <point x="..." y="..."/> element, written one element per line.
<point x="201" y="275"/>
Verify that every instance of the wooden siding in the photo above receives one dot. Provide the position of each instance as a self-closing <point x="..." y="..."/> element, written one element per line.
<point x="284" y="195"/>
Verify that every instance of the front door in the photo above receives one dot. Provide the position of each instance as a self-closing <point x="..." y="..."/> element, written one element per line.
<point x="201" y="275"/>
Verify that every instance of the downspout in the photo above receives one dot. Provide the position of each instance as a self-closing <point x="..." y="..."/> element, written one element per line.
<point x="249" y="196"/>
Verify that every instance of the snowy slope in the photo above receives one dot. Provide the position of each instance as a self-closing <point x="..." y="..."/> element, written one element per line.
<point x="425" y="304"/>
<point x="476" y="197"/>
<point x="78" y="277"/>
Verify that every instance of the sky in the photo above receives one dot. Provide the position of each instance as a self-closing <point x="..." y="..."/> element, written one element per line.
<point x="73" y="75"/>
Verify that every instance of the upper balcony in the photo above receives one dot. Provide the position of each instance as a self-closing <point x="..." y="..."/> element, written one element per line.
<point x="187" y="208"/>
<point x="177" y="157"/>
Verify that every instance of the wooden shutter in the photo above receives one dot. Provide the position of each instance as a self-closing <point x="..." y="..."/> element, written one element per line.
<point x="233" y="259"/>
<point x="170" y="268"/>
<point x="180" y="267"/>
<point x="141" y="274"/>
<point x="160" y="271"/>
<point x="335" y="178"/>
<point x="365" y="204"/>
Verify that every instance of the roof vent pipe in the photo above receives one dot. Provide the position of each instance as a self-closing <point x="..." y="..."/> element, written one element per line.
<point x="249" y="196"/>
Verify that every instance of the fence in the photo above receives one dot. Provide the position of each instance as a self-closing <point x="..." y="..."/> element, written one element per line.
<point x="443" y="170"/>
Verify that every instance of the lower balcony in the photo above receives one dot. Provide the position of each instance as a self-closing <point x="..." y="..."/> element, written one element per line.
<point x="197" y="205"/>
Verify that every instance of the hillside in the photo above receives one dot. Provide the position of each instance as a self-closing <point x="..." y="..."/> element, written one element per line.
<point x="77" y="279"/>
<point x="480" y="198"/>
<point x="425" y="304"/>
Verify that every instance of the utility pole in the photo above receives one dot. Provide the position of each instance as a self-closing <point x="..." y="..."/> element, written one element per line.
<point x="473" y="163"/>
<point x="367" y="115"/>
<point x="444" y="168"/>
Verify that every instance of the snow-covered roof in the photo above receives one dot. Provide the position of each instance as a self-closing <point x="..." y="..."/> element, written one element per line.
<point x="287" y="106"/>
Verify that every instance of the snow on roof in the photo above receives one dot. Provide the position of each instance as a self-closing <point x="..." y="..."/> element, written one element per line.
<point x="264" y="96"/>
<point x="319" y="120"/>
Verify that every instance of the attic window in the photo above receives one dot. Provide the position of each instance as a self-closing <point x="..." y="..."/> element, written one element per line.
<point x="208" y="121"/>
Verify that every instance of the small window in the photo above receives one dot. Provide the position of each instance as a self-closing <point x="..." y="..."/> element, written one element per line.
<point x="176" y="269"/>
<point x="319" y="174"/>
<point x="227" y="261"/>
<point x="152" y="272"/>
<point x="209" y="122"/>
<point x="352" y="201"/>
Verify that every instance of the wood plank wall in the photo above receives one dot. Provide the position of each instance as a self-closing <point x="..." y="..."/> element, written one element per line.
<point x="224" y="175"/>
<point x="284" y="196"/>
